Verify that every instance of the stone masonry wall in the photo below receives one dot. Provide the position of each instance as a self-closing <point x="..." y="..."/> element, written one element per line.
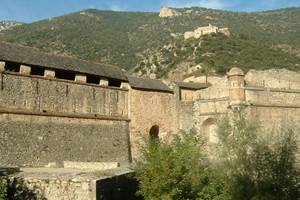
<point x="45" y="120"/>
<point x="186" y="115"/>
<point x="57" y="188"/>
<point x="149" y="108"/>
<point x="42" y="95"/>
<point x="273" y="88"/>
<point x="38" y="140"/>
<point x="211" y="103"/>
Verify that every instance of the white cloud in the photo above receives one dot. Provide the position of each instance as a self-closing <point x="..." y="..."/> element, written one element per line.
<point x="215" y="4"/>
<point x="115" y="8"/>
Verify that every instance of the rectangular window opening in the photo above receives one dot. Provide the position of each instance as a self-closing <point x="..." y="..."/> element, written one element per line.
<point x="37" y="71"/>
<point x="93" y="79"/>
<point x="180" y="94"/>
<point x="66" y="75"/>
<point x="12" y="67"/>
<point x="114" y="83"/>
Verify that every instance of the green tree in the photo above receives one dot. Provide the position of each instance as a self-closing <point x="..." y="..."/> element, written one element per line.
<point x="260" y="164"/>
<point x="175" y="170"/>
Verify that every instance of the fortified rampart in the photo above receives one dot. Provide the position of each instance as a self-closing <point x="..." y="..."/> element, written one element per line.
<point x="271" y="96"/>
<point x="50" y="114"/>
<point x="56" y="110"/>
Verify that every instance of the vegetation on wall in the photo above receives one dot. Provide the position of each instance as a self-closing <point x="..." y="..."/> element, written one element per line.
<point x="248" y="165"/>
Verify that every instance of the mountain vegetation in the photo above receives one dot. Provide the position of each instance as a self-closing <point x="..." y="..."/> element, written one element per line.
<point x="145" y="43"/>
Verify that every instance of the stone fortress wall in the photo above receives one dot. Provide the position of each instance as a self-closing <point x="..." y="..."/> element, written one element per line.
<point x="150" y="109"/>
<point x="271" y="96"/>
<point x="50" y="116"/>
<point x="45" y="120"/>
<point x="274" y="96"/>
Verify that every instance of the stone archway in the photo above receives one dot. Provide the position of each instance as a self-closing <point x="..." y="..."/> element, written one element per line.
<point x="154" y="132"/>
<point x="210" y="128"/>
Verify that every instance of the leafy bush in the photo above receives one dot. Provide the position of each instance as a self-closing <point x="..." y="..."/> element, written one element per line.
<point x="260" y="163"/>
<point x="3" y="188"/>
<point x="172" y="171"/>
<point x="248" y="165"/>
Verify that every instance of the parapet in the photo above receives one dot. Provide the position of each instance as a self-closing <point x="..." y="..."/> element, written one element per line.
<point x="33" y="57"/>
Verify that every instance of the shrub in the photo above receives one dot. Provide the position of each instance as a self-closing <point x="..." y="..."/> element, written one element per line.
<point x="175" y="170"/>
<point x="250" y="164"/>
<point x="178" y="170"/>
<point x="260" y="163"/>
<point x="3" y="188"/>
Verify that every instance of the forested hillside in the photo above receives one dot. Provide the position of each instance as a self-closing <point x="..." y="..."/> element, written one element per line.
<point x="147" y="43"/>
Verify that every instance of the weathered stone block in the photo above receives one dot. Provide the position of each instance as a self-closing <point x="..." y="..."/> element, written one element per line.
<point x="25" y="70"/>
<point x="125" y="85"/>
<point x="2" y="66"/>
<point x="103" y="82"/>
<point x="80" y="78"/>
<point x="49" y="73"/>
<point x="91" y="165"/>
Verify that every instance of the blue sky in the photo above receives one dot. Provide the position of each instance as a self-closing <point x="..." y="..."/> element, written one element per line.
<point x="33" y="10"/>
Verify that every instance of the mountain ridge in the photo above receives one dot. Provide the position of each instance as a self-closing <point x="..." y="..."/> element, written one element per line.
<point x="128" y="39"/>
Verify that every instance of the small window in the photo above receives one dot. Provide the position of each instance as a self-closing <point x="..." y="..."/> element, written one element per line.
<point x="93" y="79"/>
<point x="38" y="71"/>
<point x="62" y="74"/>
<point x="12" y="67"/>
<point x="114" y="83"/>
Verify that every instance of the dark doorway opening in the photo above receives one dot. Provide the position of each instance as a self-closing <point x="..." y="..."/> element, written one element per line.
<point x="154" y="132"/>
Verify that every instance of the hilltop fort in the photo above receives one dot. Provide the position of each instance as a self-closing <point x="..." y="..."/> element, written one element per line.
<point x="206" y="30"/>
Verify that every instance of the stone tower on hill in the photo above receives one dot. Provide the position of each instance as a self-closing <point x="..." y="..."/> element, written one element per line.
<point x="206" y="30"/>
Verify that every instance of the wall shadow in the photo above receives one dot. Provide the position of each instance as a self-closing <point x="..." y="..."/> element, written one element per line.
<point x="122" y="187"/>
<point x="17" y="188"/>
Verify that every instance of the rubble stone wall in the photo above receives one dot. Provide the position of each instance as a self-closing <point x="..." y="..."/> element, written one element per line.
<point x="35" y="141"/>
